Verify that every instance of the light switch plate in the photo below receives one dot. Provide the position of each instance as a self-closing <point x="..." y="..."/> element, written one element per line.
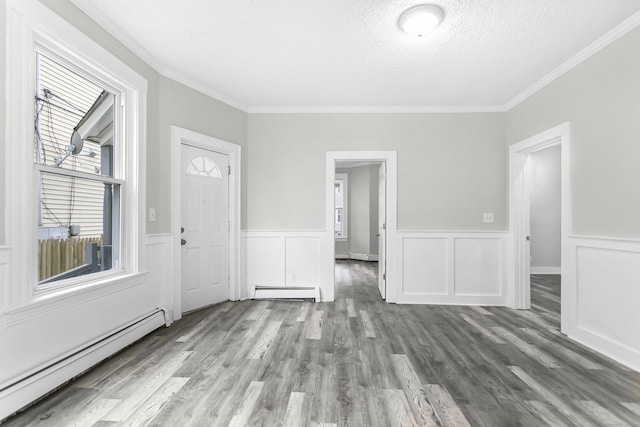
<point x="152" y="214"/>
<point x="487" y="217"/>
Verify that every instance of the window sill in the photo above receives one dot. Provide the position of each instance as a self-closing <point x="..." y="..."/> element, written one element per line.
<point x="67" y="296"/>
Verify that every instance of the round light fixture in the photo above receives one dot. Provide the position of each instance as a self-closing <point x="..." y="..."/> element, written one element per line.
<point x="420" y="20"/>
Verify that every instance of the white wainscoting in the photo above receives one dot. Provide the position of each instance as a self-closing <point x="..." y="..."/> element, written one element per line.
<point x="83" y="327"/>
<point x="601" y="294"/>
<point x="159" y="265"/>
<point x="451" y="268"/>
<point x="283" y="258"/>
<point x="5" y="252"/>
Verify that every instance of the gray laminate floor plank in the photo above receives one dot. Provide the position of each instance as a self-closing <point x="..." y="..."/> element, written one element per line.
<point x="356" y="362"/>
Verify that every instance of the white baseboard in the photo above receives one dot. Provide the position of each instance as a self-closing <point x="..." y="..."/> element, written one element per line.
<point x="483" y="300"/>
<point x="545" y="270"/>
<point x="606" y="345"/>
<point x="342" y="256"/>
<point x="16" y="394"/>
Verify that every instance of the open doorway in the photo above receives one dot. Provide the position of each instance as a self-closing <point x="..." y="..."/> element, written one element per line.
<point x="529" y="194"/>
<point x="545" y="232"/>
<point x="371" y="239"/>
<point x="360" y="214"/>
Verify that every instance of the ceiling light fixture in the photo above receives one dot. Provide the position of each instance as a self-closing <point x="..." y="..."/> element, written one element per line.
<point x="420" y="20"/>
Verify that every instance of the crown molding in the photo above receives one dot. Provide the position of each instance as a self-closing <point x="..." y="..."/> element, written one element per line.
<point x="111" y="27"/>
<point x="116" y="32"/>
<point x="379" y="109"/>
<point x="625" y="27"/>
<point x="193" y="84"/>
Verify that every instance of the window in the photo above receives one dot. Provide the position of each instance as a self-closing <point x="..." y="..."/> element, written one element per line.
<point x="75" y="160"/>
<point x="341" y="203"/>
<point x="203" y="166"/>
<point x="78" y="196"/>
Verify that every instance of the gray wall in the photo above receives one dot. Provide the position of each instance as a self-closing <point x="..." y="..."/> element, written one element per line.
<point x="451" y="167"/>
<point x="190" y="109"/>
<point x="168" y="103"/>
<point x="545" y="208"/>
<point x="3" y="117"/>
<point x="373" y="209"/>
<point x="359" y="209"/>
<point x="363" y="209"/>
<point x="600" y="97"/>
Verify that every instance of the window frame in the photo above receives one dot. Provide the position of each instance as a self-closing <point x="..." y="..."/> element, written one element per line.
<point x="31" y="28"/>
<point x="344" y="177"/>
<point x="117" y="170"/>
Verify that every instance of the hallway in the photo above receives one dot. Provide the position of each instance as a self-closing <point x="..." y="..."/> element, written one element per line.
<point x="358" y="361"/>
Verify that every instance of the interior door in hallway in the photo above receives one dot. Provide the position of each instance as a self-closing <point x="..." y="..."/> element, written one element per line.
<point x="205" y="229"/>
<point x="382" y="229"/>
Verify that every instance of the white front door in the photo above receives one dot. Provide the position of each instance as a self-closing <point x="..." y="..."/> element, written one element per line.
<point x="205" y="227"/>
<point x="382" y="229"/>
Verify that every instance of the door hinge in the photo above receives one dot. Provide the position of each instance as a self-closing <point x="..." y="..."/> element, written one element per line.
<point x="384" y="226"/>
<point x="384" y="276"/>
<point x="229" y="169"/>
<point x="229" y="226"/>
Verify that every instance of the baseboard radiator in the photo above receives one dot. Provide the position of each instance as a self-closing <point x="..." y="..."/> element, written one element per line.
<point x="285" y="292"/>
<point x="31" y="386"/>
<point x="357" y="256"/>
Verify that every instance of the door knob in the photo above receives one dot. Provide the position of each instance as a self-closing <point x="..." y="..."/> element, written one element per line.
<point x="181" y="229"/>
<point x="183" y="242"/>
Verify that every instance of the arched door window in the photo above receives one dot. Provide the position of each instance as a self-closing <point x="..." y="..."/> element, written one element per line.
<point x="203" y="166"/>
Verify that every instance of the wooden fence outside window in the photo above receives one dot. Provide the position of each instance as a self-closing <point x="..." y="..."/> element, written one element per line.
<point x="56" y="256"/>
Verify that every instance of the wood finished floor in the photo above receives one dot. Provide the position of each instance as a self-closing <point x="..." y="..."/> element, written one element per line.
<point x="357" y="362"/>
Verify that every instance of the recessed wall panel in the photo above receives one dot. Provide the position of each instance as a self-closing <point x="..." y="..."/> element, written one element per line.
<point x="608" y="293"/>
<point x="265" y="261"/>
<point x="425" y="266"/>
<point x="477" y="267"/>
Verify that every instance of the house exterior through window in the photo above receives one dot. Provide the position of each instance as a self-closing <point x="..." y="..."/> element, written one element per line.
<point x="75" y="164"/>
<point x="78" y="196"/>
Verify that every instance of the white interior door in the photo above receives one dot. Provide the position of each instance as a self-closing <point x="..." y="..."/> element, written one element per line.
<point x="382" y="229"/>
<point x="205" y="227"/>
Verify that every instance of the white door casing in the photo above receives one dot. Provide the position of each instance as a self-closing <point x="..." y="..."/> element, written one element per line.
<point x="382" y="238"/>
<point x="519" y="295"/>
<point x="205" y="227"/>
<point x="327" y="258"/>
<point x="178" y="137"/>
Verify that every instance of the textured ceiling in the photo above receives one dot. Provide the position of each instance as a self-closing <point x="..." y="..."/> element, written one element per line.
<point x="340" y="53"/>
